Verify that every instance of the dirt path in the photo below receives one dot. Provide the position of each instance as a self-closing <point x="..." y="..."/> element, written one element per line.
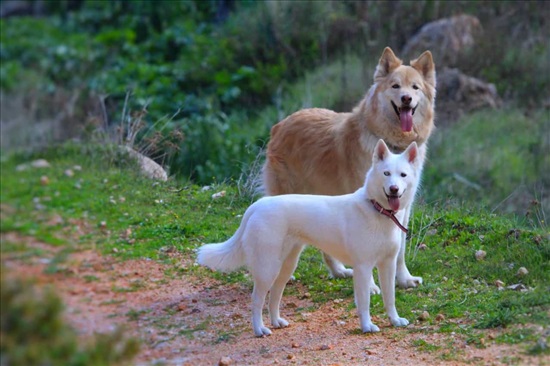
<point x="196" y="321"/>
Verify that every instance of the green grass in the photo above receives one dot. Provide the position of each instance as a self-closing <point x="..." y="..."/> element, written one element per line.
<point x="178" y="216"/>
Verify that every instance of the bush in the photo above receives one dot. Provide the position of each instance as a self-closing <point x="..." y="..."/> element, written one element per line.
<point x="34" y="332"/>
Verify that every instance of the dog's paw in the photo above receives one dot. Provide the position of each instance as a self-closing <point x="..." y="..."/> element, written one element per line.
<point x="409" y="281"/>
<point x="374" y="290"/>
<point x="399" y="322"/>
<point x="279" y="323"/>
<point x="262" y="331"/>
<point x="370" y="328"/>
<point x="341" y="273"/>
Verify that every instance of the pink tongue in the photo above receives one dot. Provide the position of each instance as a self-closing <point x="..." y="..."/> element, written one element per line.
<point x="406" y="118"/>
<point x="394" y="203"/>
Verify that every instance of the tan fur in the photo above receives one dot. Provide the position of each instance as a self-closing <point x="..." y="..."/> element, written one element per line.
<point x="319" y="151"/>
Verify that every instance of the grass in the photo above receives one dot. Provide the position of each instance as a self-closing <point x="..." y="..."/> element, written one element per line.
<point x="164" y="217"/>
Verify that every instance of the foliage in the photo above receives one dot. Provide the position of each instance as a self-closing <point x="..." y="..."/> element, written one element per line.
<point x="178" y="216"/>
<point x="34" y="332"/>
<point x="239" y="74"/>
<point x="475" y="160"/>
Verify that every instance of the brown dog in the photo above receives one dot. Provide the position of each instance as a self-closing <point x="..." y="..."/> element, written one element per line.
<point x="318" y="151"/>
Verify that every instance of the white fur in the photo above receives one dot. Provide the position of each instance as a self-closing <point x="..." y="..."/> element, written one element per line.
<point x="346" y="227"/>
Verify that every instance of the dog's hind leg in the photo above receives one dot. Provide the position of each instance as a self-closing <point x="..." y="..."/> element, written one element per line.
<point x="289" y="265"/>
<point x="336" y="268"/>
<point x="404" y="277"/>
<point x="264" y="268"/>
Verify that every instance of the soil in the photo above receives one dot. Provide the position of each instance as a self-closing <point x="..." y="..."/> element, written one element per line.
<point x="198" y="321"/>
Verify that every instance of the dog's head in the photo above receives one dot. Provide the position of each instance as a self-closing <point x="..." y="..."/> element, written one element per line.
<point x="392" y="178"/>
<point x="406" y="91"/>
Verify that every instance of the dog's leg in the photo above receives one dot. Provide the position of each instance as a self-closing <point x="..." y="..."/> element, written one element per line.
<point x="386" y="273"/>
<point x="361" y="282"/>
<point x="289" y="265"/>
<point x="404" y="277"/>
<point x="336" y="268"/>
<point x="264" y="269"/>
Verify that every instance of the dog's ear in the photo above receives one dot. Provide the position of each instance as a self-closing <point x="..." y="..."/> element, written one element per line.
<point x="412" y="153"/>
<point x="381" y="151"/>
<point x="424" y="64"/>
<point x="387" y="63"/>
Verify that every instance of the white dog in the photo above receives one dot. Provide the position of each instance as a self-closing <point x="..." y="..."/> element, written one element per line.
<point x="361" y="229"/>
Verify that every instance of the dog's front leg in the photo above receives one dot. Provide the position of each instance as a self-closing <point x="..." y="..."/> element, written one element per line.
<point x="404" y="277"/>
<point x="386" y="274"/>
<point x="362" y="279"/>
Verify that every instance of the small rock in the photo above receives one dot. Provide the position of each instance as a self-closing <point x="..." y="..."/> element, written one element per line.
<point x="77" y="168"/>
<point x="480" y="255"/>
<point x="69" y="173"/>
<point x="296" y="345"/>
<point x="522" y="271"/>
<point x="44" y="180"/>
<point x="439" y="317"/>
<point x="307" y="295"/>
<point x="431" y="232"/>
<point x="499" y="284"/>
<point x="290" y="356"/>
<point x="225" y="361"/>
<point x="218" y="195"/>
<point x="424" y="316"/>
<point x="103" y="224"/>
<point x="517" y="287"/>
<point x="40" y="163"/>
<point x="206" y="188"/>
<point x="422" y="246"/>
<point x="325" y="347"/>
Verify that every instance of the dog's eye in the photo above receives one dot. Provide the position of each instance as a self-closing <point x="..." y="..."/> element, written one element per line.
<point x="395" y="86"/>
<point x="403" y="175"/>
<point x="415" y="87"/>
<point x="387" y="174"/>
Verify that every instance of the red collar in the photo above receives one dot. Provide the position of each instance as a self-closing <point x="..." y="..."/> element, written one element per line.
<point x="390" y="214"/>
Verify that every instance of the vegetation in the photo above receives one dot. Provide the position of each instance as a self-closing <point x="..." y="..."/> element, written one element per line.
<point x="212" y="79"/>
<point x="34" y="332"/>
<point x="198" y="89"/>
<point x="472" y="295"/>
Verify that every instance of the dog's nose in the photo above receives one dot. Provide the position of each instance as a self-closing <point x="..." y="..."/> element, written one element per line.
<point x="406" y="99"/>
<point x="394" y="189"/>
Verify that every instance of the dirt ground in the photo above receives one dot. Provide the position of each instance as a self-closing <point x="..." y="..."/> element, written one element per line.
<point x="197" y="321"/>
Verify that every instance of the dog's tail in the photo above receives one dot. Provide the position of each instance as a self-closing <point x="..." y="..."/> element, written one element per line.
<point x="226" y="256"/>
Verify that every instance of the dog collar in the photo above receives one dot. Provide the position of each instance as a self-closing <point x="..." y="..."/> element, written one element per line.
<point x="390" y="214"/>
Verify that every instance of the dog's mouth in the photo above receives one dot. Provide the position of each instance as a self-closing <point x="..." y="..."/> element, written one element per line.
<point x="405" y="115"/>
<point x="393" y="200"/>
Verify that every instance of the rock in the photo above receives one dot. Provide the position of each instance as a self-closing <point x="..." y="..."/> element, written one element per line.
<point x="424" y="316"/>
<point x="446" y="38"/>
<point x="522" y="271"/>
<point x="225" y="361"/>
<point x="517" y="287"/>
<point x="325" y="347"/>
<point x="480" y="255"/>
<point x="458" y="94"/>
<point x="40" y="163"/>
<point x="218" y="195"/>
<point x="499" y="284"/>
<point x="69" y="173"/>
<point x="439" y="317"/>
<point x="44" y="180"/>
<point x="422" y="246"/>
<point x="148" y="166"/>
